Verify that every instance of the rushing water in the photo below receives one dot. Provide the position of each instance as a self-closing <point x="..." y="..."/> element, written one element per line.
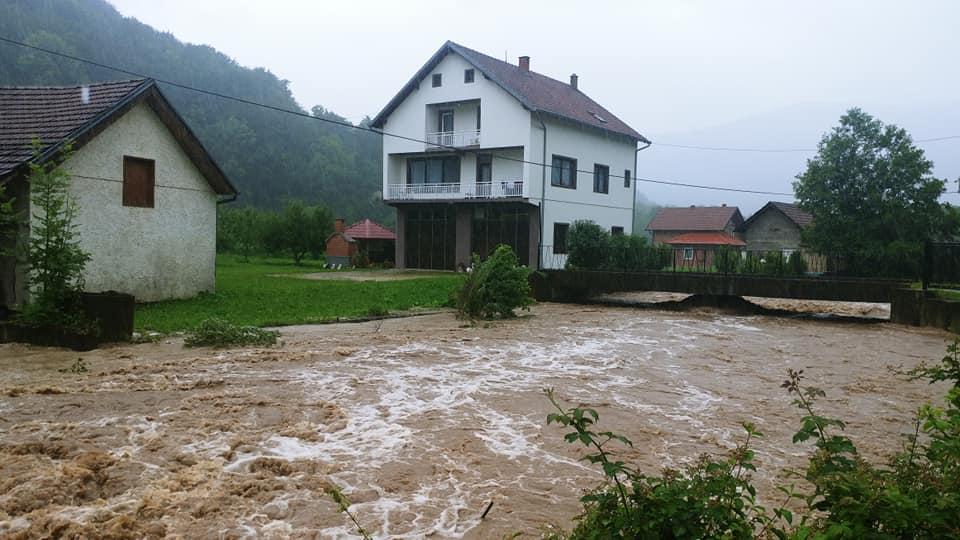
<point x="422" y="421"/>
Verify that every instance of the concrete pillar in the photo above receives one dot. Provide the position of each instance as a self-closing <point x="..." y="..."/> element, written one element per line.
<point x="400" y="244"/>
<point x="462" y="252"/>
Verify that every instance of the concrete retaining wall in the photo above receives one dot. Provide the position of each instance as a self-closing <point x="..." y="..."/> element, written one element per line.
<point x="913" y="307"/>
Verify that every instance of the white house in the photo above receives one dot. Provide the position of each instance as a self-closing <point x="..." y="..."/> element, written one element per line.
<point x="145" y="187"/>
<point x="470" y="173"/>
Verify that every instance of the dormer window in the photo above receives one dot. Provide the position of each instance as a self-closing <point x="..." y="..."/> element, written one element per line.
<point x="598" y="117"/>
<point x="468" y="76"/>
<point x="437" y="80"/>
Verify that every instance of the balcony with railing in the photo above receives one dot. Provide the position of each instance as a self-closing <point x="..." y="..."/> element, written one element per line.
<point x="453" y="191"/>
<point x="453" y="139"/>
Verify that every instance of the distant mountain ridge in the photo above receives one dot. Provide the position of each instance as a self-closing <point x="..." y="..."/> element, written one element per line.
<point x="270" y="156"/>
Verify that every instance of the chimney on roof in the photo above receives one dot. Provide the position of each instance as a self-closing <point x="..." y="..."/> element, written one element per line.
<point x="573" y="80"/>
<point x="338" y="225"/>
<point x="525" y="63"/>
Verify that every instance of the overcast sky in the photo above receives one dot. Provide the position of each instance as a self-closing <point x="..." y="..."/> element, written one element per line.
<point x="673" y="70"/>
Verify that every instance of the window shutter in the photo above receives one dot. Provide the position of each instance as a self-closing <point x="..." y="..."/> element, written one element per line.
<point x="138" y="182"/>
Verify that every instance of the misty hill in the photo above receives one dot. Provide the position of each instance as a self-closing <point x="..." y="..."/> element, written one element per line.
<point x="799" y="126"/>
<point x="270" y="156"/>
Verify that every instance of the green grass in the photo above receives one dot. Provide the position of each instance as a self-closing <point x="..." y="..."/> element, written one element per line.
<point x="247" y="295"/>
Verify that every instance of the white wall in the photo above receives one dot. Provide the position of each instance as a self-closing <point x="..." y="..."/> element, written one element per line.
<point x="153" y="253"/>
<point x="504" y="121"/>
<point x="564" y="205"/>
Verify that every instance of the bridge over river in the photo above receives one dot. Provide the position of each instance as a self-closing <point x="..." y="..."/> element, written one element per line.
<point x="907" y="306"/>
<point x="571" y="285"/>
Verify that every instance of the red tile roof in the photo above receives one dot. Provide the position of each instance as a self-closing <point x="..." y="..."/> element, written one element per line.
<point x="535" y="91"/>
<point x="695" y="218"/>
<point x="706" y="239"/>
<point x="369" y="230"/>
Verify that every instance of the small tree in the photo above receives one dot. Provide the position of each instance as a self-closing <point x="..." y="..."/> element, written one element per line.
<point x="726" y="260"/>
<point x="588" y="245"/>
<point x="240" y="231"/>
<point x="53" y="252"/>
<point x="495" y="287"/>
<point x="301" y="229"/>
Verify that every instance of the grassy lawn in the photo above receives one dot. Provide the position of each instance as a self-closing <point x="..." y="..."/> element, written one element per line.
<point x="246" y="294"/>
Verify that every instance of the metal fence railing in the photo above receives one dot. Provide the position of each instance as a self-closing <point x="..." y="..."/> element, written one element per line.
<point x="940" y="267"/>
<point x="896" y="264"/>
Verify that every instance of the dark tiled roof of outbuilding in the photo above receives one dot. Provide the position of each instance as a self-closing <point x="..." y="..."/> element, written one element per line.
<point x="51" y="115"/>
<point x="800" y="218"/>
<point x="695" y="218"/>
<point x="536" y="92"/>
<point x="56" y="115"/>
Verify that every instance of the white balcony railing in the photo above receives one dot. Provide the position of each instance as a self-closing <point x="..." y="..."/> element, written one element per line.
<point x="455" y="139"/>
<point x="480" y="190"/>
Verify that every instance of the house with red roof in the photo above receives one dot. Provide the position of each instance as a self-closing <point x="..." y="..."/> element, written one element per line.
<point x="492" y="152"/>
<point x="670" y="223"/>
<point x="365" y="239"/>
<point x="697" y="232"/>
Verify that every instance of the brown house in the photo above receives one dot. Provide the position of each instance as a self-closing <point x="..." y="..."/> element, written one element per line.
<point x="364" y="239"/>
<point x="670" y="223"/>
<point x="775" y="227"/>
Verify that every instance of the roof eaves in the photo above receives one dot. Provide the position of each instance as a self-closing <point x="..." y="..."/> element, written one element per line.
<point x="634" y="136"/>
<point x="55" y="149"/>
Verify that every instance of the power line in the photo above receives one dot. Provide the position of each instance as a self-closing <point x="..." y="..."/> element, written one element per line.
<point x="779" y="150"/>
<point x="361" y="128"/>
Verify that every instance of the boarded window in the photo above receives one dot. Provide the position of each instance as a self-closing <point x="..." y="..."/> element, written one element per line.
<point x="138" y="182"/>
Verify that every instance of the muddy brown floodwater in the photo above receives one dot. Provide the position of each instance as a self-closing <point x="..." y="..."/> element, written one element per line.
<point x="421" y="421"/>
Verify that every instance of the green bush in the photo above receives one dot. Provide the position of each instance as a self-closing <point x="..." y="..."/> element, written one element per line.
<point x="916" y="495"/>
<point x="216" y="332"/>
<point x="588" y="245"/>
<point x="495" y="287"/>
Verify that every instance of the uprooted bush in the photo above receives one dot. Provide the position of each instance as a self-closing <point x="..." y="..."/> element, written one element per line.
<point x="915" y="495"/>
<point x="216" y="332"/>
<point x="495" y="287"/>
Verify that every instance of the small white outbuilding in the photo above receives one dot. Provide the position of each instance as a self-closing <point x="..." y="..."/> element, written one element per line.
<point x="146" y="189"/>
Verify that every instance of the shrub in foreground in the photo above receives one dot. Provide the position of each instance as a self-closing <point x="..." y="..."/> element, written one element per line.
<point x="495" y="287"/>
<point x="915" y="495"/>
<point x="216" y="332"/>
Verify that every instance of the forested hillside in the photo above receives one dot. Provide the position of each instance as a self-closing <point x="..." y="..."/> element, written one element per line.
<point x="270" y="156"/>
